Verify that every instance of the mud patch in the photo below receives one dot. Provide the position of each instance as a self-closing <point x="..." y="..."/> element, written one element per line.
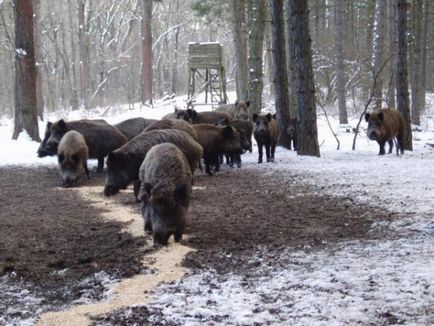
<point x="53" y="241"/>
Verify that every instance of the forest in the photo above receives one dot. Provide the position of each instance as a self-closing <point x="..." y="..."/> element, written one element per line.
<point x="287" y="145"/>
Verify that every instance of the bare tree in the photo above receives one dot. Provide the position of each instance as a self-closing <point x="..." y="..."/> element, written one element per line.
<point x="402" y="73"/>
<point x="146" y="51"/>
<point x="391" y="35"/>
<point x="378" y="58"/>
<point x="340" y="73"/>
<point x="238" y="11"/>
<point x="25" y="72"/>
<point x="417" y="83"/>
<point x="307" y="140"/>
<point x="256" y="9"/>
<point x="280" y="79"/>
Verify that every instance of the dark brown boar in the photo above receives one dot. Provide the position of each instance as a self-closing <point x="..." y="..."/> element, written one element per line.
<point x="101" y="138"/>
<point x="215" y="141"/>
<point x="173" y="124"/>
<point x="245" y="128"/>
<point x="265" y="131"/>
<point x="239" y="110"/>
<point x="43" y="151"/>
<point x="134" y="126"/>
<point x="165" y="179"/>
<point x="194" y="117"/>
<point x="124" y="163"/>
<point x="383" y="126"/>
<point x="72" y="156"/>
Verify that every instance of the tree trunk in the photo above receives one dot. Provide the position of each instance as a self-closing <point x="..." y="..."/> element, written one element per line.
<point x="307" y="140"/>
<point x="26" y="115"/>
<point x="416" y="80"/>
<point x="391" y="34"/>
<point x="238" y="11"/>
<point x="402" y="73"/>
<point x="290" y="50"/>
<point x="147" y="51"/>
<point x="256" y="41"/>
<point x="340" y="74"/>
<point x="280" y="79"/>
<point x="38" y="57"/>
<point x="83" y="41"/>
<point x="378" y="52"/>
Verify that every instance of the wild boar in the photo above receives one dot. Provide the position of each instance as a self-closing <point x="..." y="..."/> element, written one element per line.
<point x="383" y="126"/>
<point x="194" y="117"/>
<point x="72" y="156"/>
<point x="265" y="131"/>
<point x="101" y="138"/>
<point x="217" y="140"/>
<point x="239" y="110"/>
<point x="173" y="124"/>
<point x="42" y="151"/>
<point x="165" y="190"/>
<point x="124" y="163"/>
<point x="134" y="126"/>
<point x="245" y="128"/>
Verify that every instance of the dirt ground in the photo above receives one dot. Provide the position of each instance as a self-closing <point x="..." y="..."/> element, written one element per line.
<point x="53" y="239"/>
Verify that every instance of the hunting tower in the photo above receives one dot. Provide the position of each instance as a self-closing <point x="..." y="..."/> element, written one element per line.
<point x="206" y="73"/>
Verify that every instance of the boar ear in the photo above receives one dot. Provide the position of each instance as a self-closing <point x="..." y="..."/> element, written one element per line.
<point x="176" y="109"/>
<point x="274" y="116"/>
<point x="380" y="116"/>
<point x="236" y="104"/>
<point x="181" y="192"/>
<point x="367" y="116"/>
<point x="255" y="117"/>
<point x="61" y="123"/>
<point x="228" y="131"/>
<point x="269" y="116"/>
<point x="247" y="103"/>
<point x="49" y="124"/>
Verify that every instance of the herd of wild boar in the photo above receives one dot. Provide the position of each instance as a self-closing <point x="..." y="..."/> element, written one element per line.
<point x="159" y="157"/>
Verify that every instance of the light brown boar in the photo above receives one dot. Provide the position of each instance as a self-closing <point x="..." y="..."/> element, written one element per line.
<point x="72" y="155"/>
<point x="239" y="110"/>
<point x="134" y="126"/>
<point x="165" y="179"/>
<point x="383" y="126"/>
<point x="194" y="117"/>
<point x="173" y="124"/>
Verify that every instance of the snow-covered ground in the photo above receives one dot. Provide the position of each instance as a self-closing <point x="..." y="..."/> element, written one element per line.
<point x="366" y="282"/>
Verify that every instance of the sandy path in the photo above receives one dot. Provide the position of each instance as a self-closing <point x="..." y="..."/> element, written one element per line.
<point x="129" y="291"/>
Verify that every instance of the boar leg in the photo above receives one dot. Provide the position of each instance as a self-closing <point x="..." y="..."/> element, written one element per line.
<point x="100" y="166"/>
<point x="273" y="148"/>
<point x="267" y="151"/>
<point x="400" y="144"/>
<point x="86" y="170"/>
<point x="390" y="145"/>
<point x="382" y="150"/>
<point x="178" y="235"/>
<point x="148" y="224"/>
<point x="207" y="166"/>
<point x="136" y="189"/>
<point x="260" y="152"/>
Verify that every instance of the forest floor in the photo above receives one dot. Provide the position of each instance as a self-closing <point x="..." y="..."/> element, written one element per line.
<point x="56" y="245"/>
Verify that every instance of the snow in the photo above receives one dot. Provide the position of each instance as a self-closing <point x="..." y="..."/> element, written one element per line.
<point x="354" y="282"/>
